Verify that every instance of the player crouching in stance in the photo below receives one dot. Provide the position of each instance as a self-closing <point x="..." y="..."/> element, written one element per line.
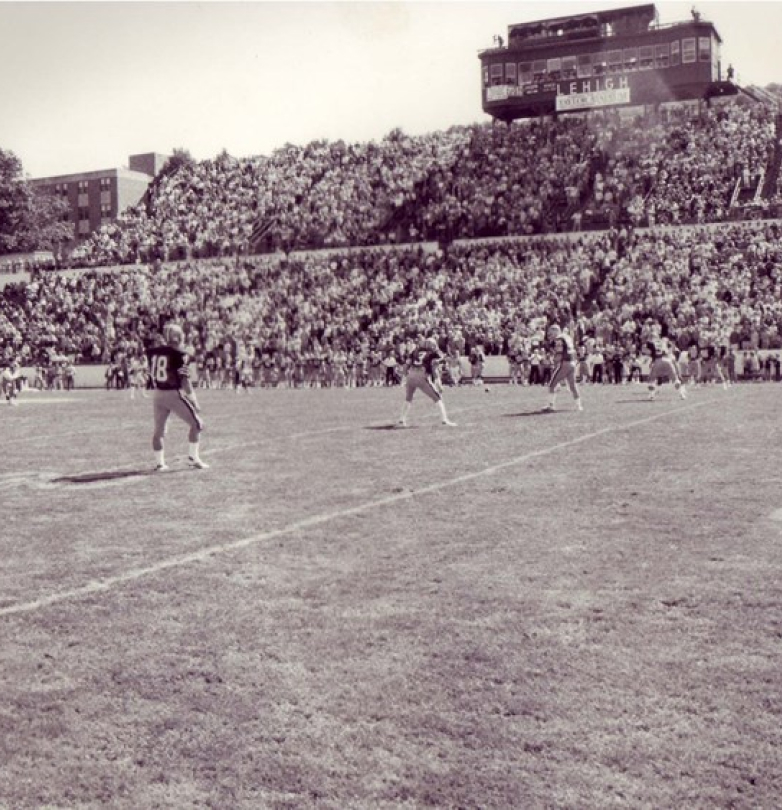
<point x="565" y="366"/>
<point x="663" y="368"/>
<point x="9" y="382"/>
<point x="421" y="375"/>
<point x="173" y="393"/>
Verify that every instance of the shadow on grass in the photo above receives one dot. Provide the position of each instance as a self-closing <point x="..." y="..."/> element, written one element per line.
<point x="538" y="412"/>
<point x="391" y="427"/>
<point x="111" y="475"/>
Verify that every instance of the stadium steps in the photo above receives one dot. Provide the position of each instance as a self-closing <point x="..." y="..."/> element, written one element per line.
<point x="771" y="182"/>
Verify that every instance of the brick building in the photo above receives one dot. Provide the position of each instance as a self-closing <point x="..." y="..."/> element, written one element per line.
<point x="97" y="197"/>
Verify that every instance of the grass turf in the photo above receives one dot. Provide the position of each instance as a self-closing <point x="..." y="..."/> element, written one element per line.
<point x="530" y="610"/>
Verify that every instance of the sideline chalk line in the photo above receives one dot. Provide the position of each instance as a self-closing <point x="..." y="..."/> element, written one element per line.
<point x="107" y="583"/>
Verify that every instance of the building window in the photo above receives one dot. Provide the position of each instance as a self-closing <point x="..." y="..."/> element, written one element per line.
<point x="704" y="49"/>
<point x="554" y="68"/>
<point x="538" y="69"/>
<point x="510" y="73"/>
<point x="105" y="212"/>
<point x="662" y="55"/>
<point x="688" y="51"/>
<point x="676" y="55"/>
<point x="84" y="227"/>
<point x="646" y="59"/>
<point x="105" y="183"/>
<point x="630" y="57"/>
<point x="584" y="66"/>
<point x="614" y="61"/>
<point x="83" y="185"/>
<point x="496" y="74"/>
<point x="485" y="76"/>
<point x="525" y="73"/>
<point x="569" y="70"/>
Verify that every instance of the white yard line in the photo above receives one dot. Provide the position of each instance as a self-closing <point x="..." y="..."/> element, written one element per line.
<point x="134" y="574"/>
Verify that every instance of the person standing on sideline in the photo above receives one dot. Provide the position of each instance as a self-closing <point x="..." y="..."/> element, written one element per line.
<point x="421" y="375"/>
<point x="173" y="393"/>
<point x="564" y="368"/>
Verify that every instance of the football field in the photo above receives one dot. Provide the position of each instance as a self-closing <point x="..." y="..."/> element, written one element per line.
<point x="531" y="610"/>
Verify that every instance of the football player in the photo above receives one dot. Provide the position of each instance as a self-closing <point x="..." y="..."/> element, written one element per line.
<point x="711" y="369"/>
<point x="9" y="382"/>
<point x="564" y="366"/>
<point x="173" y="393"/>
<point x="663" y="368"/>
<point x="422" y="375"/>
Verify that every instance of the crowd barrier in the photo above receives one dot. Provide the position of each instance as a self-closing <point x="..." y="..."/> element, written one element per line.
<point x="496" y="369"/>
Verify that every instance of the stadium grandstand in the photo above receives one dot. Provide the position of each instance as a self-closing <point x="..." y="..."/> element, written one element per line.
<point x="615" y="220"/>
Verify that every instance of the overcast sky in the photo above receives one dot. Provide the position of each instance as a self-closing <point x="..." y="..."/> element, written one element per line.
<point x="84" y="85"/>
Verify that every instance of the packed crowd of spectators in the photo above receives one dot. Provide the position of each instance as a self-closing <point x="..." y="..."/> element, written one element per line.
<point x="456" y="235"/>
<point x="704" y="283"/>
<point x="537" y="176"/>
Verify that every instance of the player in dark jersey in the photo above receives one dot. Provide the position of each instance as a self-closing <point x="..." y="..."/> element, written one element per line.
<point x="564" y="366"/>
<point x="173" y="393"/>
<point x="711" y="368"/>
<point x="421" y="375"/>
<point x="663" y="368"/>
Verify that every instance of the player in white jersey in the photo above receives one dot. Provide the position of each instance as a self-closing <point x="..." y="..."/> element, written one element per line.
<point x="564" y="366"/>
<point x="9" y="382"/>
<point x="663" y="368"/>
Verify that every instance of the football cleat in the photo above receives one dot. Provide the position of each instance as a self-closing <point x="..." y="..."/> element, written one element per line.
<point x="197" y="463"/>
<point x="162" y="468"/>
<point x="449" y="423"/>
<point x="548" y="409"/>
<point x="402" y="423"/>
<point x="579" y="406"/>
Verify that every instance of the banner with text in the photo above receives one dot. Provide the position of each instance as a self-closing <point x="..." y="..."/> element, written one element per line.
<point x="598" y="98"/>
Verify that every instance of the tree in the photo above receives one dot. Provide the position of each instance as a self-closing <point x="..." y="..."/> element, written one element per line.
<point x="29" y="220"/>
<point x="45" y="225"/>
<point x="12" y="200"/>
<point x="179" y="159"/>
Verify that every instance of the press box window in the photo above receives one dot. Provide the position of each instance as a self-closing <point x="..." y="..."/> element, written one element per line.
<point x="676" y="53"/>
<point x="662" y="55"/>
<point x="704" y="49"/>
<point x="496" y="74"/>
<point x="646" y="59"/>
<point x="688" y="51"/>
<point x="510" y="73"/>
<point x="525" y="73"/>
<point x="584" y="66"/>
